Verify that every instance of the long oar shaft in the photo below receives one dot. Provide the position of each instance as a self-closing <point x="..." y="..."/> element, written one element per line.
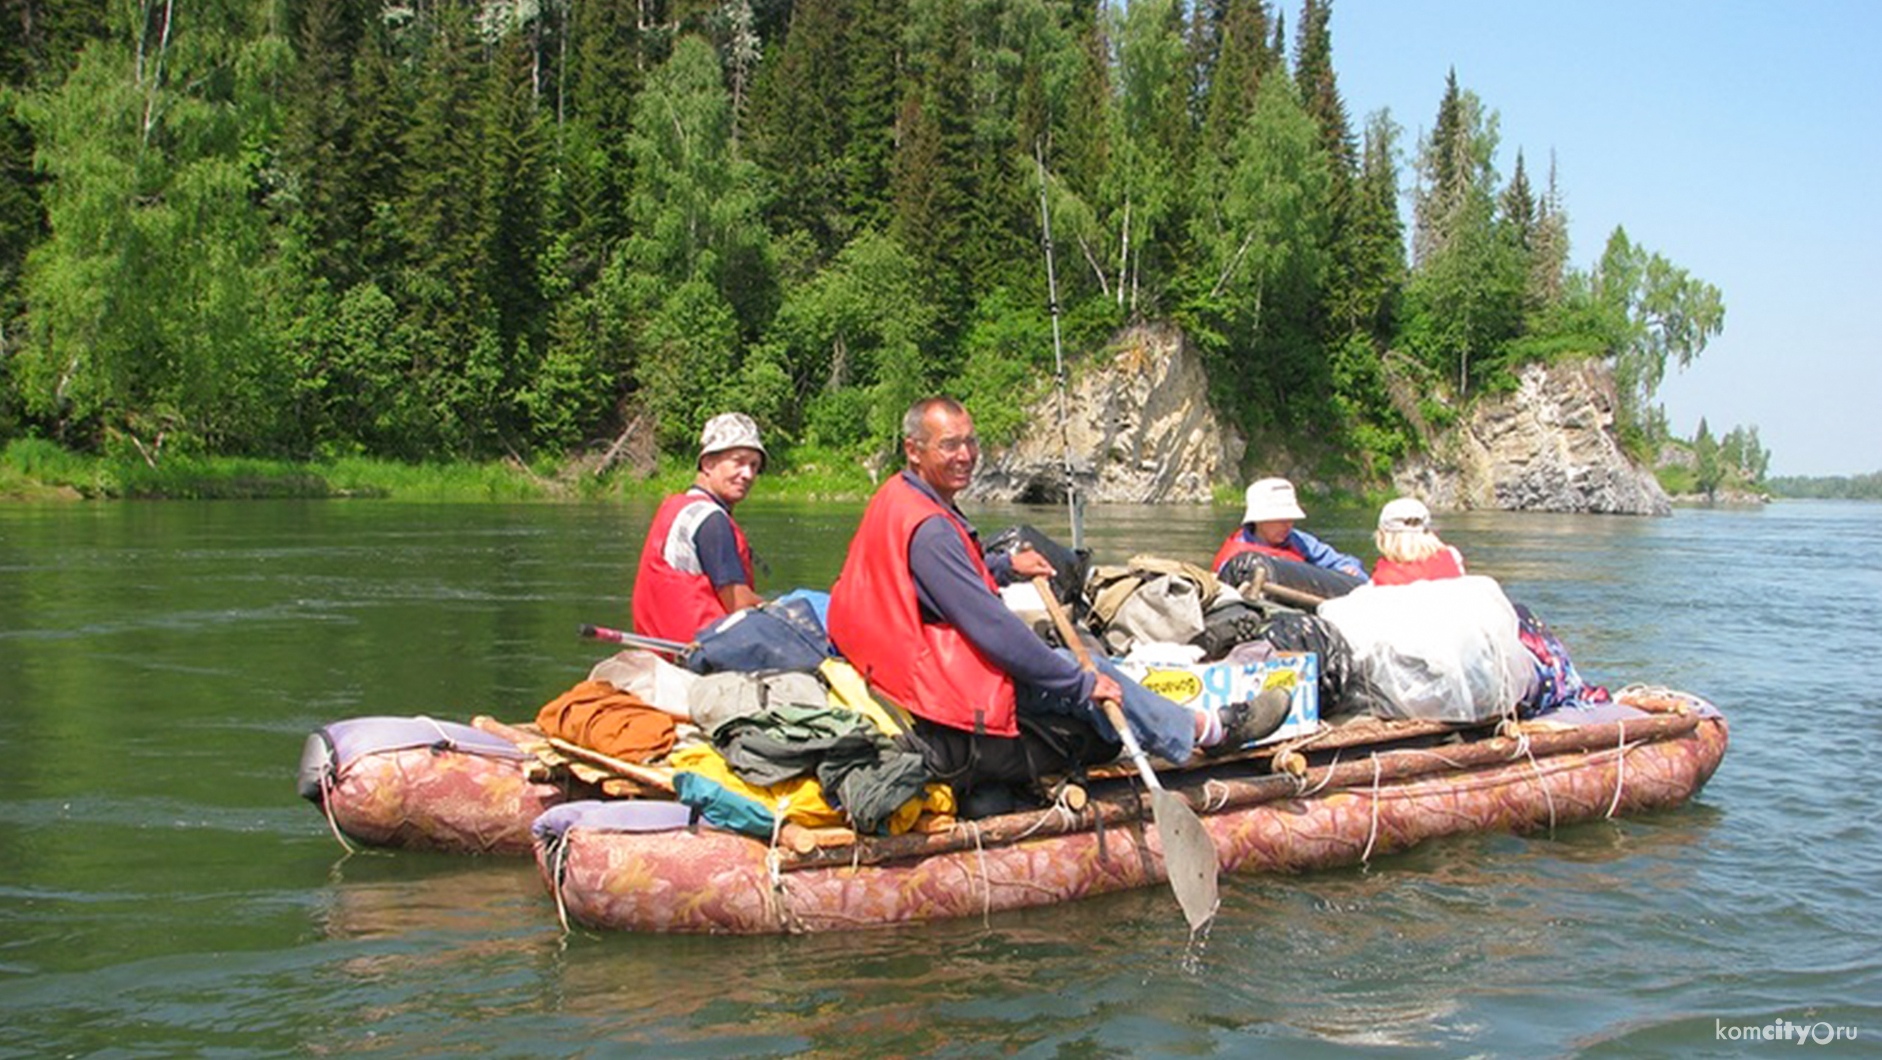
<point x="1110" y="706"/>
<point x="1189" y="855"/>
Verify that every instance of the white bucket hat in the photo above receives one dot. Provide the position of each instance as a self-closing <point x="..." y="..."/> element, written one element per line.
<point x="731" y="430"/>
<point x="1270" y="499"/>
<point x="1405" y="513"/>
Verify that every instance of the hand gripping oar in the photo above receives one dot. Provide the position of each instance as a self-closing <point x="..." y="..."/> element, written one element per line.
<point x="1189" y="856"/>
<point x="635" y="640"/>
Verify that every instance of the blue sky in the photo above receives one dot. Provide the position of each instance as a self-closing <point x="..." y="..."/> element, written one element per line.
<point x="1741" y="141"/>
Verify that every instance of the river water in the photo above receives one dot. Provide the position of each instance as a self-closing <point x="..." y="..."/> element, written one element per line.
<point x="163" y="893"/>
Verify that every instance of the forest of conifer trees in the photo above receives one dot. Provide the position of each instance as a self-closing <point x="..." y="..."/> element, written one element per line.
<point x="463" y="228"/>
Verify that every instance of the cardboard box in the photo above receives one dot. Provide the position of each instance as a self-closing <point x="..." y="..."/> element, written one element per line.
<point x="1208" y="686"/>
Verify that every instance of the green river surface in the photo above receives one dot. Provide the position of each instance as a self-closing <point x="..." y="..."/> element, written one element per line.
<point x="164" y="893"/>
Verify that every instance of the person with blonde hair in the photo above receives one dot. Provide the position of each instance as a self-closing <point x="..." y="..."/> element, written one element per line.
<point x="1409" y="551"/>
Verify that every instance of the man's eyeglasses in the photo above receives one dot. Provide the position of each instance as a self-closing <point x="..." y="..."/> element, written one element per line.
<point x="953" y="446"/>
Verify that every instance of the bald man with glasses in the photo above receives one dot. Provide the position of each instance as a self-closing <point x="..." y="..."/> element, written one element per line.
<point x="917" y="610"/>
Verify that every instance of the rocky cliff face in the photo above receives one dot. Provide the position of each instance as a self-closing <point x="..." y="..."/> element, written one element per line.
<point x="1140" y="430"/>
<point x="1549" y="446"/>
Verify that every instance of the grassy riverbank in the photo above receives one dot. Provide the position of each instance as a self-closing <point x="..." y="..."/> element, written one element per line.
<point x="36" y="470"/>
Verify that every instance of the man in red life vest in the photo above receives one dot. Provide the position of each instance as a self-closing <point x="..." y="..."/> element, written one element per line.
<point x="1409" y="551"/>
<point x="1268" y="528"/>
<point x="917" y="611"/>
<point x="695" y="567"/>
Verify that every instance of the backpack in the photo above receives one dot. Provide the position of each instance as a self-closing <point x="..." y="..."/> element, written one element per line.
<point x="1150" y="599"/>
<point x="779" y="635"/>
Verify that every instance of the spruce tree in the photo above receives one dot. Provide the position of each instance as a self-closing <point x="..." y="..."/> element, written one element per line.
<point x="1375" y="235"/>
<point x="1518" y="208"/>
<point x="1548" y="259"/>
<point x="514" y="178"/>
<point x="1467" y="289"/>
<point x="1081" y="147"/>
<point x="1706" y="463"/>
<point x="1241" y="59"/>
<point x="1319" y="89"/>
<point x="379" y="101"/>
<point x="799" y="126"/>
<point x="873" y="104"/>
<point x="1439" y="181"/>
<point x="318" y="136"/>
<point x="935" y="166"/>
<point x="458" y="367"/>
<point x="1320" y="97"/>
<point x="608" y="66"/>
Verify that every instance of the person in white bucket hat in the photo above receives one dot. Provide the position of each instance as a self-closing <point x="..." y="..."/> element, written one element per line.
<point x="1409" y="550"/>
<point x="1267" y="527"/>
<point x="696" y="566"/>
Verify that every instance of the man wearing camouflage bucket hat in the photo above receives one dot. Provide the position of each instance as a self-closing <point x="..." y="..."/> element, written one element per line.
<point x="695" y="567"/>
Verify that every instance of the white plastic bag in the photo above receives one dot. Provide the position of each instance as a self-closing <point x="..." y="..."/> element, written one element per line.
<point x="1444" y="650"/>
<point x="656" y="681"/>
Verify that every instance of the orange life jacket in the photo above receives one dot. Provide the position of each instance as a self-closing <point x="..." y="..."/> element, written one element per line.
<point x="929" y="669"/>
<point x="1447" y="562"/>
<point x="1237" y="544"/>
<point x="669" y="602"/>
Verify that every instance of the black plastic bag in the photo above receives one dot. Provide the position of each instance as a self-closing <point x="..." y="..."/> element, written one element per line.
<point x="1068" y="584"/>
<point x="1340" y="689"/>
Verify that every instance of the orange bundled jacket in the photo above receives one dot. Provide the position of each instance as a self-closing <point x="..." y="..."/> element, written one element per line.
<point x="601" y="717"/>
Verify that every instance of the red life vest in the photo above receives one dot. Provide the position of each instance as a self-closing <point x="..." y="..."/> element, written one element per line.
<point x="675" y="602"/>
<point x="930" y="669"/>
<point x="1447" y="562"/>
<point x="1238" y="544"/>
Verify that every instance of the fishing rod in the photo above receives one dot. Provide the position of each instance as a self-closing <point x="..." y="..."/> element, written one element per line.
<point x="635" y="640"/>
<point x="1073" y="506"/>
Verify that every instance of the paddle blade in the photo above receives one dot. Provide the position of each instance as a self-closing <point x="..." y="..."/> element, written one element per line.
<point x="1188" y="856"/>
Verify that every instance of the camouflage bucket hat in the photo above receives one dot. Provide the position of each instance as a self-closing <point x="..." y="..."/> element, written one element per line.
<point x="731" y="430"/>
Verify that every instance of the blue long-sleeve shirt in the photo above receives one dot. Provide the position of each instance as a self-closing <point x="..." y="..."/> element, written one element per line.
<point x="950" y="590"/>
<point x="1316" y="552"/>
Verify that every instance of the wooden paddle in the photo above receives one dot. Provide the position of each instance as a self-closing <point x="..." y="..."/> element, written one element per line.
<point x="1189" y="855"/>
<point x="1259" y="586"/>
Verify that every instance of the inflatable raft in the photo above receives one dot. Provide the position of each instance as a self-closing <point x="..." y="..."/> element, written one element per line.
<point x="423" y="784"/>
<point x="420" y="783"/>
<point x="1339" y="797"/>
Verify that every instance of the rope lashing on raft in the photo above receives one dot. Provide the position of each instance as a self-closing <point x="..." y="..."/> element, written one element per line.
<point x="1527" y="750"/>
<point x="1620" y="769"/>
<point x="1372" y="832"/>
<point x="445" y="741"/>
<point x="774" y="859"/>
<point x="986" y="881"/>
<point x="1217" y="802"/>
<point x="1659" y="699"/>
<point x="1058" y="811"/>
<point x="558" y="863"/>
<point x="326" y="806"/>
<point x="1303" y="789"/>
<point x="774" y="870"/>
